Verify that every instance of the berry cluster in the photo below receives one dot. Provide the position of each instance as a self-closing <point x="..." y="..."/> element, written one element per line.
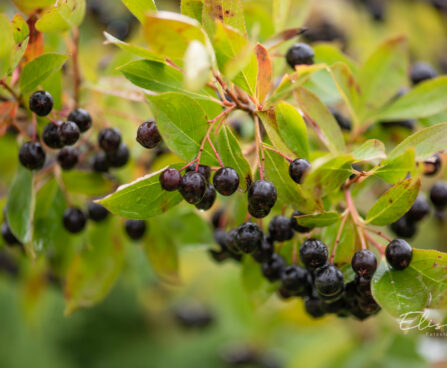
<point x="113" y="152"/>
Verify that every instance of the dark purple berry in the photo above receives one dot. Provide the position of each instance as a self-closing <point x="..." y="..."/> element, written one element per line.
<point x="193" y="187"/>
<point x="148" y="135"/>
<point x="343" y="123"/>
<point x="249" y="237"/>
<point x="298" y="228"/>
<point x="120" y="157"/>
<point x="315" y="307"/>
<point x="67" y="158"/>
<point x="419" y="210"/>
<point x="298" y="168"/>
<point x="135" y="229"/>
<point x="170" y="179"/>
<point x="273" y="267"/>
<point x="300" y="53"/>
<point x="74" y="220"/>
<point x="364" y="263"/>
<point x="226" y="181"/>
<point x="109" y="139"/>
<point x="313" y="253"/>
<point x="363" y="285"/>
<point x="422" y="71"/>
<point x="100" y="163"/>
<point x="193" y="316"/>
<point x="280" y="228"/>
<point x="208" y="199"/>
<point x="404" y="228"/>
<point x="261" y="195"/>
<point x="258" y="212"/>
<point x="294" y="278"/>
<point x="399" y="254"/>
<point x="81" y="118"/>
<point x="329" y="281"/>
<point x="217" y="219"/>
<point x="32" y="155"/>
<point x="68" y="133"/>
<point x="265" y="251"/>
<point x="203" y="169"/>
<point x="438" y="195"/>
<point x="7" y="235"/>
<point x="97" y="212"/>
<point x="41" y="103"/>
<point x="51" y="137"/>
<point x="368" y="305"/>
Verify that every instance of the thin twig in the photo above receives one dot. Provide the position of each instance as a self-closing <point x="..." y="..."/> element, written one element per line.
<point x="372" y="230"/>
<point x="277" y="151"/>
<point x="379" y="246"/>
<point x="337" y="239"/>
<point x="259" y="149"/>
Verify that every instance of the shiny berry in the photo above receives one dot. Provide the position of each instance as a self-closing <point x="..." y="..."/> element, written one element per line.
<point x="120" y="157"/>
<point x="315" y="307"/>
<point x="249" y="237"/>
<point x="193" y="187"/>
<point x="32" y="155"/>
<point x="294" y="278"/>
<point x="226" y="181"/>
<point x="364" y="262"/>
<point x="300" y="53"/>
<point x="418" y="210"/>
<point x="170" y="179"/>
<point x="438" y="194"/>
<point x="404" y="228"/>
<point x="298" y="228"/>
<point x="74" y="220"/>
<point x="7" y="235"/>
<point x="313" y="253"/>
<point x="363" y="284"/>
<point x="100" y="163"/>
<point x="68" y="133"/>
<point x="298" y="168"/>
<point x="135" y="229"/>
<point x="422" y="71"/>
<point x="262" y="195"/>
<point x="109" y="139"/>
<point x="273" y="267"/>
<point x="51" y="137"/>
<point x="148" y="135"/>
<point x="203" y="169"/>
<point x="265" y="251"/>
<point x="329" y="281"/>
<point x="81" y="118"/>
<point x="67" y="158"/>
<point x="280" y="228"/>
<point x="97" y="212"/>
<point x="258" y="212"/>
<point x="208" y="199"/>
<point x="399" y="254"/>
<point x="41" y="103"/>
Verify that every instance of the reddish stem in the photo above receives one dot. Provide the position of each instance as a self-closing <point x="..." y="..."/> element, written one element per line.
<point x="215" y="152"/>
<point x="337" y="239"/>
<point x="295" y="253"/>
<point x="379" y="246"/>
<point x="372" y="230"/>
<point x="259" y="148"/>
<point x="278" y="152"/>
<point x="188" y="164"/>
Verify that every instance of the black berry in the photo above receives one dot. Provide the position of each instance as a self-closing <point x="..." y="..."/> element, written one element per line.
<point x="422" y="71"/>
<point x="298" y="228"/>
<point x="262" y="195"/>
<point x="67" y="158"/>
<point x="100" y="163"/>
<point x="299" y="54"/>
<point x="97" y="212"/>
<point x="193" y="187"/>
<point x="68" y="133"/>
<point x="404" y="228"/>
<point x="148" y="135"/>
<point x="170" y="179"/>
<point x="343" y="122"/>
<point x="399" y="254"/>
<point x="419" y="210"/>
<point x="41" y="103"/>
<point x="217" y="219"/>
<point x="315" y="307"/>
<point x="249" y="237"/>
<point x="364" y="263"/>
<point x="74" y="220"/>
<point x="438" y="194"/>
<point x="32" y="155"/>
<point x="7" y="235"/>
<point x="329" y="281"/>
<point x="135" y="228"/>
<point x="273" y="267"/>
<point x="298" y="168"/>
<point x="208" y="199"/>
<point x="226" y="181"/>
<point x="203" y="169"/>
<point x="81" y="118"/>
<point x="294" y="278"/>
<point x="120" y="157"/>
<point x="363" y="284"/>
<point x="265" y="251"/>
<point x="280" y="228"/>
<point x="313" y="253"/>
<point x="258" y="212"/>
<point x="109" y="139"/>
<point x="51" y="137"/>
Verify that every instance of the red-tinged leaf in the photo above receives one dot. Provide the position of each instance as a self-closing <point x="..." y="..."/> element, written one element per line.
<point x="265" y="72"/>
<point x="35" y="44"/>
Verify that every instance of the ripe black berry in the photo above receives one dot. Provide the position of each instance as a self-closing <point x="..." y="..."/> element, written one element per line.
<point x="262" y="195"/>
<point x="438" y="194"/>
<point x="32" y="155"/>
<point x="258" y="212"/>
<point x="68" y="133"/>
<point x="231" y="243"/>
<point x="74" y="220"/>
<point x="313" y="253"/>
<point x="298" y="168"/>
<point x="299" y="54"/>
<point x="203" y="169"/>
<point x="273" y="267"/>
<point x="298" y="228"/>
<point x="368" y="305"/>
<point x="109" y="139"/>
<point x="265" y="251"/>
<point x="67" y="158"/>
<point x="7" y="234"/>
<point x="100" y="163"/>
<point x="399" y="254"/>
<point x="315" y="307"/>
<point x="294" y="278"/>
<point x="193" y="187"/>
<point x="135" y="228"/>
<point x="208" y="199"/>
<point x="433" y="166"/>
<point x="194" y="315"/>
<point x="422" y="71"/>
<point x="120" y="157"/>
<point x="329" y="281"/>
<point x="249" y="237"/>
<point x="364" y="263"/>
<point x="343" y="122"/>
<point x="170" y="179"/>
<point x="51" y="137"/>
<point x="81" y="118"/>
<point x="363" y="284"/>
<point x="148" y="135"/>
<point x="405" y="124"/>
<point x="419" y="210"/>
<point x="280" y="228"/>
<point x="41" y="103"/>
<point x="404" y="228"/>
<point x="226" y="181"/>
<point x="96" y="211"/>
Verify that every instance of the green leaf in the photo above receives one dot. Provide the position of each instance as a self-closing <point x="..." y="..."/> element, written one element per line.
<point x="383" y="74"/>
<point x="347" y="244"/>
<point x="394" y="203"/>
<point x="321" y="119"/>
<point x="20" y="206"/>
<point x="61" y="17"/>
<point x="182" y="124"/>
<point x="228" y="12"/>
<point x="135" y="50"/>
<point x="281" y="12"/>
<point x="88" y="183"/>
<point x="426" y="142"/>
<point x="292" y="129"/>
<point x="230" y="152"/>
<point x="254" y="283"/>
<point x="21" y="38"/>
<point x="139" y="8"/>
<point x="329" y="54"/>
<point x="39" y="69"/>
<point x="142" y="198"/>
<point x="327" y="175"/>
<point x="53" y="85"/>
<point x="372" y="149"/>
<point x="7" y="44"/>
<point x="396" y="169"/>
<point x="265" y="72"/>
<point x="425" y="99"/>
<point x="192" y="8"/>
<point x="318" y="220"/>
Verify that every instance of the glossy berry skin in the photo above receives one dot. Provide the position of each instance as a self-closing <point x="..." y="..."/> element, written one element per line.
<point x="203" y="169"/>
<point x="135" y="229"/>
<point x="193" y="187"/>
<point x="96" y="212"/>
<point x="298" y="168"/>
<point x="363" y="284"/>
<point x="100" y="163"/>
<point x="298" y="228"/>
<point x="74" y="220"/>
<point x="7" y="235"/>
<point x="68" y="133"/>
<point x="262" y="194"/>
<point x="67" y="158"/>
<point x="32" y="155"/>
<point x="314" y="307"/>
<point x="399" y="254"/>
<point x="422" y="71"/>
<point x="294" y="278"/>
<point x="343" y="123"/>
<point x="208" y="199"/>
<point x="41" y="103"/>
<point x="148" y="135"/>
<point x="419" y="210"/>
<point x="170" y="179"/>
<point x="249" y="237"/>
<point x="364" y="263"/>
<point x="109" y="139"/>
<point x="273" y="267"/>
<point x="280" y="228"/>
<point x="51" y="137"/>
<point x="298" y="54"/>
<point x="265" y="251"/>
<point x="226" y="181"/>
<point x="329" y="281"/>
<point x="404" y="228"/>
<point x="438" y="195"/>
<point x="119" y="158"/>
<point x="231" y="243"/>
<point x="81" y="118"/>
<point x="258" y="212"/>
<point x="313" y="253"/>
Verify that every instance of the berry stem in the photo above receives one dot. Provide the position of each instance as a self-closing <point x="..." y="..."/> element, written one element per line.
<point x="259" y="148"/>
<point x="337" y="239"/>
<point x="58" y="177"/>
<point x="295" y="253"/>
<point x="277" y="151"/>
<point x="10" y="90"/>
<point x="377" y="232"/>
<point x="355" y="218"/>
<point x="215" y="152"/>
<point x="379" y="246"/>
<point x="34" y="122"/>
<point x="188" y="164"/>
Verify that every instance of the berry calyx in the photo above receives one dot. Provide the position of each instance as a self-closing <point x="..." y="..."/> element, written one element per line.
<point x="7" y="234"/>
<point x="422" y="71"/>
<point x="399" y="254"/>
<point x="313" y="253"/>
<point x="135" y="229"/>
<point x="81" y="118"/>
<point x="74" y="220"/>
<point x="203" y="169"/>
<point x="298" y="168"/>
<point x="100" y="163"/>
<point x="67" y="158"/>
<point x="148" y="135"/>
<point x="170" y="179"/>
<point x="298" y="228"/>
<point x="96" y="212"/>
<point x="226" y="181"/>
<point x="294" y="278"/>
<point x="32" y="155"/>
<point x="438" y="195"/>
<point x="120" y="157"/>
<point x="109" y="139"/>
<point x="51" y="137"/>
<point x="68" y="133"/>
<point x="418" y="210"/>
<point x="41" y="103"/>
<point x="280" y="228"/>
<point x="364" y="263"/>
<point x="208" y="199"/>
<point x="273" y="267"/>
<point x="249" y="237"/>
<point x="329" y="281"/>
<point x="193" y="187"/>
<point x="300" y="53"/>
